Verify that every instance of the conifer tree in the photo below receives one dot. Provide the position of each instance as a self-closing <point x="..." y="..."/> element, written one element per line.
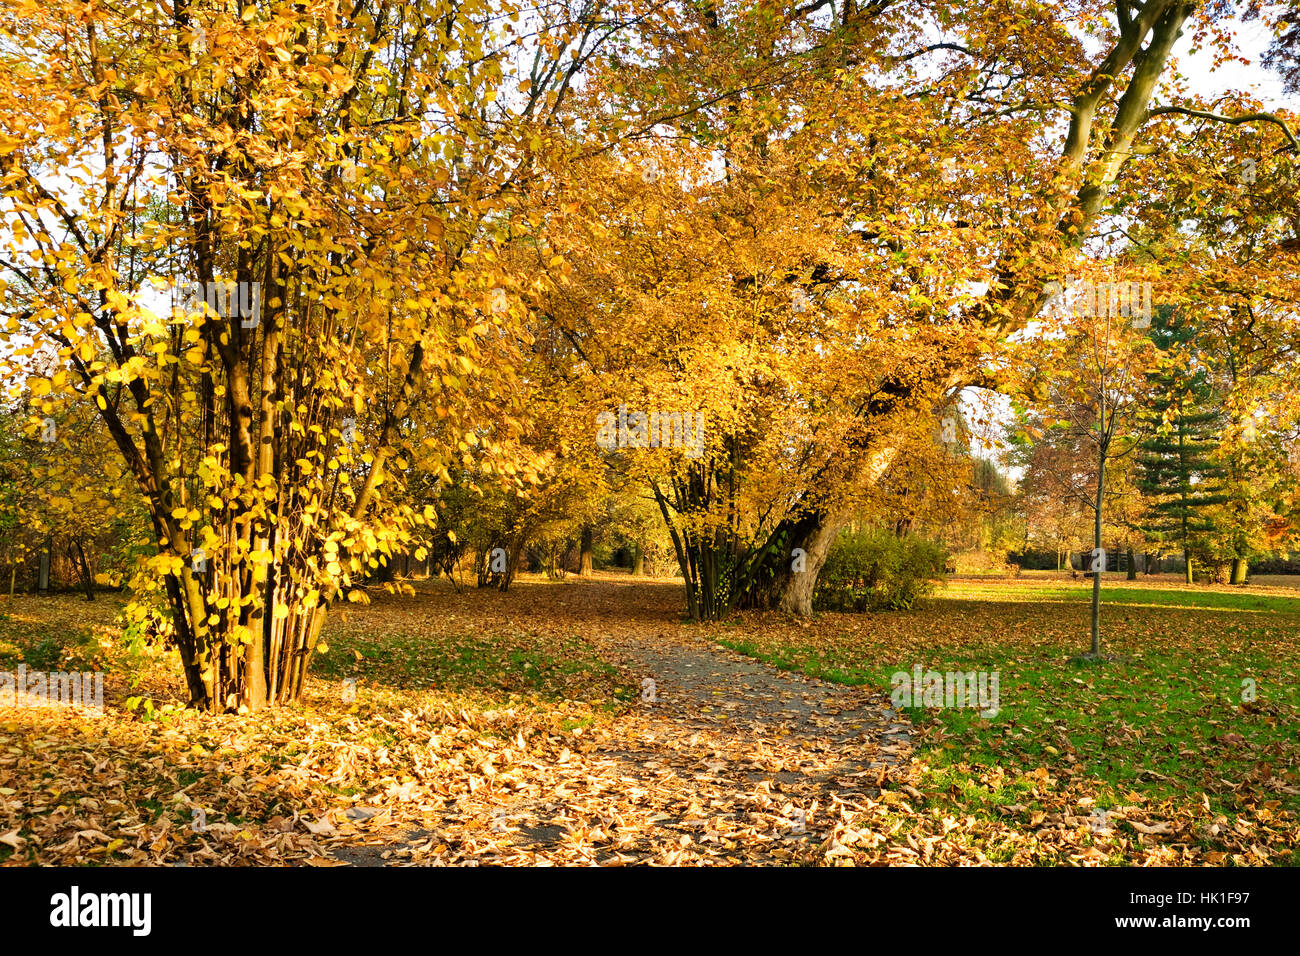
<point x="1177" y="468"/>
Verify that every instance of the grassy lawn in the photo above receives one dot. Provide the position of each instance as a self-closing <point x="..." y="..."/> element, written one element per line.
<point x="1163" y="727"/>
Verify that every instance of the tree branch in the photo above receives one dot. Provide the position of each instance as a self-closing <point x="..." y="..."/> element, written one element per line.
<point x="1234" y="120"/>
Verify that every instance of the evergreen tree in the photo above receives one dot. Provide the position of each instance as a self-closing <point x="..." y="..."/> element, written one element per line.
<point x="1177" y="468"/>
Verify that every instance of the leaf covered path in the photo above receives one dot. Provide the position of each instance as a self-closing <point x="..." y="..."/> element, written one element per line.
<point x="731" y="761"/>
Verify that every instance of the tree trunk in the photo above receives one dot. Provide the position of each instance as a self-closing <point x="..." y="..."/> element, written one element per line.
<point x="584" y="557"/>
<point x="43" y="575"/>
<point x="796" y="582"/>
<point x="87" y="582"/>
<point x="1239" y="566"/>
<point x="1187" y="568"/>
<point x="1096" y="544"/>
<point x="815" y="532"/>
<point x="1132" y="565"/>
<point x="512" y="564"/>
<point x="638" y="560"/>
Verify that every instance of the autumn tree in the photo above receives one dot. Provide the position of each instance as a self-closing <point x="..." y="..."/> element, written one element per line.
<point x="1090" y="366"/>
<point x="851" y="212"/>
<point x="1056" y="473"/>
<point x="261" y="239"/>
<point x="1223" y="220"/>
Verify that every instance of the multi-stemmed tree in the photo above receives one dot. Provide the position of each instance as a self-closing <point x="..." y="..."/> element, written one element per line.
<point x="262" y="239"/>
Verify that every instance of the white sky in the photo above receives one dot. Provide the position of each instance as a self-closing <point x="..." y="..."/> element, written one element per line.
<point x="1252" y="41"/>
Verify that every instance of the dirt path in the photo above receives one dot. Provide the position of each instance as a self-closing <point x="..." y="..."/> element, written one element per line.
<point x="723" y="760"/>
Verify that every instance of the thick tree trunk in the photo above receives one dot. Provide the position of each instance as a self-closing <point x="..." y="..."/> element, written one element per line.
<point x="1132" y="565"/>
<point x="1239" y="566"/>
<point x="1187" y="568"/>
<point x="512" y="564"/>
<point x="584" y="557"/>
<point x="797" y="580"/>
<point x="814" y="532"/>
<point x="638" y="560"/>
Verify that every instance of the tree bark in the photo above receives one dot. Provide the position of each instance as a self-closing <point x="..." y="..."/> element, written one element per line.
<point x="1239" y="567"/>
<point x="43" y="574"/>
<point x="584" y="558"/>
<point x="87" y="582"/>
<point x="1096" y="543"/>
<point x="795" y="588"/>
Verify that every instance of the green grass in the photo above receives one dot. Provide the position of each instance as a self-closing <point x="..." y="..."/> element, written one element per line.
<point x="1164" y="721"/>
<point x="1243" y="600"/>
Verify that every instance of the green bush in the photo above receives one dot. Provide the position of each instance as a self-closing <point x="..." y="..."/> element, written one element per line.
<point x="876" y="571"/>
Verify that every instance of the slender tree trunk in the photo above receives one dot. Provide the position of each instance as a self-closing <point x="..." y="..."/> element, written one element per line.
<point x="1187" y="567"/>
<point x="43" y="574"/>
<point x="87" y="582"/>
<point x="680" y="550"/>
<point x="1132" y="565"/>
<point x="1096" y="543"/>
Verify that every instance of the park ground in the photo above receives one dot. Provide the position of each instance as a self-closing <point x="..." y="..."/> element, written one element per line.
<point x="479" y="727"/>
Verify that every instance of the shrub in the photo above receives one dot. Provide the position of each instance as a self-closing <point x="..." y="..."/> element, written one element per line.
<point x="876" y="570"/>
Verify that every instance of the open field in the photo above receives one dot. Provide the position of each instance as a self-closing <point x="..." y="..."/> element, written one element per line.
<point x="476" y="708"/>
